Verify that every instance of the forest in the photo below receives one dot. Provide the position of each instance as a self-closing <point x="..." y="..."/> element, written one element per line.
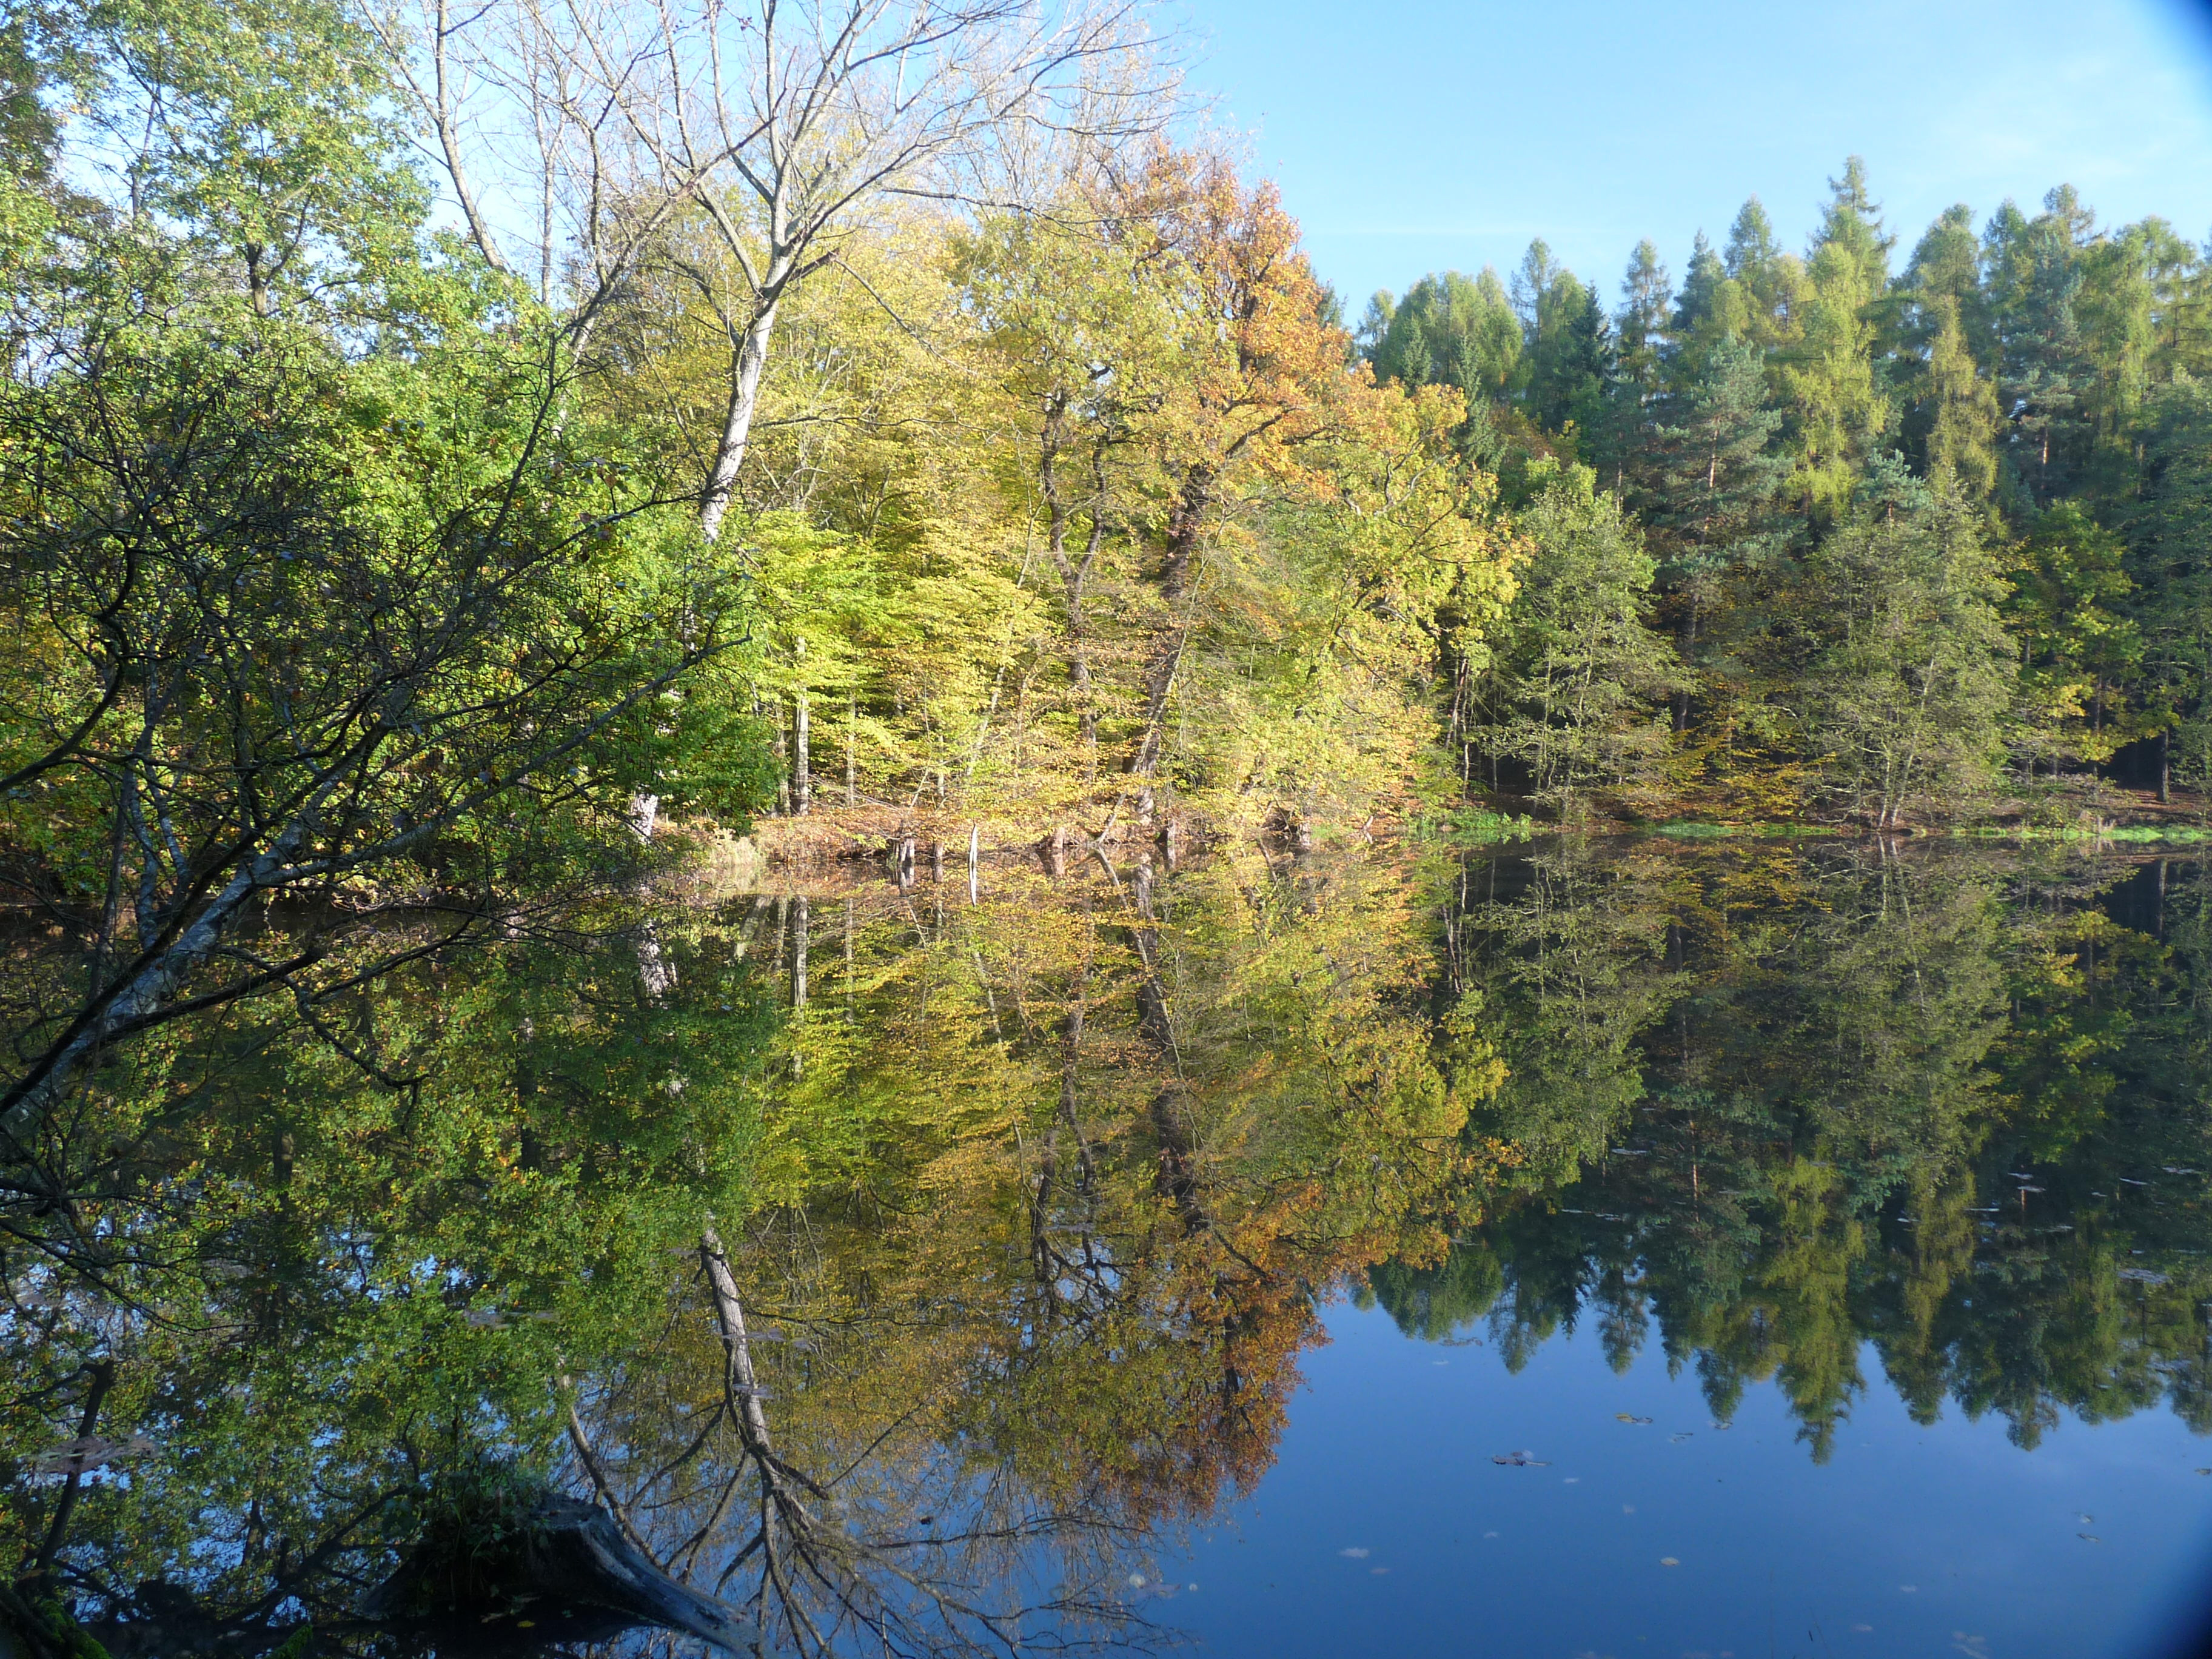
<point x="989" y="455"/>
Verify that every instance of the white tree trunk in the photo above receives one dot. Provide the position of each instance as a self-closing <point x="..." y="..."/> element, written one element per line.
<point x="738" y="424"/>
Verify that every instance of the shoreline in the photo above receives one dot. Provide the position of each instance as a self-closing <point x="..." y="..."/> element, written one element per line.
<point x="937" y="845"/>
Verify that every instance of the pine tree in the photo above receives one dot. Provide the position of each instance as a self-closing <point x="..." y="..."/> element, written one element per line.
<point x="1717" y="472"/>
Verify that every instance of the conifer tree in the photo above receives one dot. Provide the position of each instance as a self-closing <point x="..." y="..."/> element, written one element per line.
<point x="2080" y="650"/>
<point x="1647" y="304"/>
<point x="1584" y="384"/>
<point x="1751" y="245"/>
<point x="1701" y="301"/>
<point x="1948" y="264"/>
<point x="1960" y="408"/>
<point x="1576" y="677"/>
<point x="1714" y="474"/>
<point x="1643" y="353"/>
<point x="1767" y="278"/>
<point x="1375" y="323"/>
<point x="1838" y="407"/>
<point x="2169" y="563"/>
<point x="1562" y="350"/>
<point x="2035" y="278"/>
<point x="1453" y="330"/>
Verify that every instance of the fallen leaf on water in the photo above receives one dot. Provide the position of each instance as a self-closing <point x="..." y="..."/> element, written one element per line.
<point x="1629" y="1417"/>
<point x="1668" y="1561"/>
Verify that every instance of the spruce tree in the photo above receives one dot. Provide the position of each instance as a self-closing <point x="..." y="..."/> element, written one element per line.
<point x="1562" y="355"/>
<point x="1701" y="300"/>
<point x="1587" y="385"/>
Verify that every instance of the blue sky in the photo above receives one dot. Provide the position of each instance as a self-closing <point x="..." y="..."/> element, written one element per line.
<point x="1412" y="135"/>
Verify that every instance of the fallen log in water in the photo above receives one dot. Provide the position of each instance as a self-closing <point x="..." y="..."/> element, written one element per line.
<point x="559" y="1563"/>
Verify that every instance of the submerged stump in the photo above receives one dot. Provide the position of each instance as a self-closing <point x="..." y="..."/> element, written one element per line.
<point x="555" y="1568"/>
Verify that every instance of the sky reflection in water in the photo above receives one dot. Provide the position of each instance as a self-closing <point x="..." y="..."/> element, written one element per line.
<point x="1910" y="1540"/>
<point x="1321" y="1233"/>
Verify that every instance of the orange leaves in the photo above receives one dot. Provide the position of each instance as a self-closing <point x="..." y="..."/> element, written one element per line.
<point x="1264" y="370"/>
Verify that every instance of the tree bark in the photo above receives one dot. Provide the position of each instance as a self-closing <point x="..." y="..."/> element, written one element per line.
<point x="802" y="775"/>
<point x="1178" y="563"/>
<point x="737" y="422"/>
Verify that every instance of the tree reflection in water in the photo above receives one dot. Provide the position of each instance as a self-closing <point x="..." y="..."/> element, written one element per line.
<point x="898" y="1272"/>
<point x="1949" y="1102"/>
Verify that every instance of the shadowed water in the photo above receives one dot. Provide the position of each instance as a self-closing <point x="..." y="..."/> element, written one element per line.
<point x="1748" y="1248"/>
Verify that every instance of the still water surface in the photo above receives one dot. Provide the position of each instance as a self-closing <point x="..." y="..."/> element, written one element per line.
<point x="1579" y="1249"/>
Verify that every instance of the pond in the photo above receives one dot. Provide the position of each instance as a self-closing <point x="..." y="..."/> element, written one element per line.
<point x="1632" y="1248"/>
